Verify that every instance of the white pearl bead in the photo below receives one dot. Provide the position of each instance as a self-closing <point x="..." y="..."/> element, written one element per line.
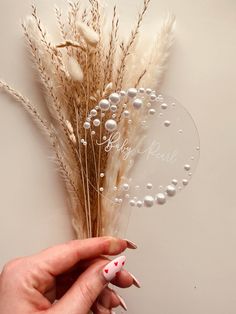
<point x="141" y="90"/>
<point x="132" y="203"/>
<point x="101" y="189"/>
<point x="187" y="167"/>
<point x="96" y="122"/>
<point x="175" y="181"/>
<point x="167" y="123"/>
<point x="153" y="97"/>
<point x="110" y="125"/>
<point x="161" y="198"/>
<point x="149" y="186"/>
<point x="164" y="106"/>
<point x="132" y="92"/>
<point x="148" y="201"/>
<point x="170" y="190"/>
<point x="93" y="132"/>
<point x="152" y="111"/>
<point x="104" y="104"/>
<point x="139" y="204"/>
<point x="102" y="174"/>
<point x="137" y="103"/>
<point x="125" y="187"/>
<point x="126" y="113"/>
<point x="123" y="93"/>
<point x="93" y="112"/>
<point x="114" y="98"/>
<point x="148" y="91"/>
<point x="185" y="181"/>
<point x="113" y="108"/>
<point x="86" y="125"/>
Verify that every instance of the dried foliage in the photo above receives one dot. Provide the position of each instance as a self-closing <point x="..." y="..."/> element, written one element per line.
<point x="76" y="73"/>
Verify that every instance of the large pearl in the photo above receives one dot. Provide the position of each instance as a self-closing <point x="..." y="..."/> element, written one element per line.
<point x="137" y="103"/>
<point x="104" y="104"/>
<point x="132" y="92"/>
<point x="125" y="186"/>
<point x="110" y="125"/>
<point x="114" y="98"/>
<point x="148" y="201"/>
<point x="161" y="198"/>
<point x="170" y="190"/>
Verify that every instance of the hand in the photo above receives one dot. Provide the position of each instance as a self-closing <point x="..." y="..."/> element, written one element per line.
<point x="76" y="274"/>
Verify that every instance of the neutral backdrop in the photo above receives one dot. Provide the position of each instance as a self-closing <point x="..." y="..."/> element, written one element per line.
<point x="187" y="250"/>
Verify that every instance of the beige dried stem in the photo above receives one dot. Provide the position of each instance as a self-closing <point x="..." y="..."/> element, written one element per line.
<point x="85" y="66"/>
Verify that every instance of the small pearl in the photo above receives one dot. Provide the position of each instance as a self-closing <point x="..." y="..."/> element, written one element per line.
<point x="120" y="200"/>
<point x="114" y="115"/>
<point x="93" y="112"/>
<point x="161" y="198"/>
<point x="101" y="189"/>
<point x="167" y="123"/>
<point x="148" y="91"/>
<point x="114" y="98"/>
<point x="132" y="92"/>
<point x="175" y="181"/>
<point x="123" y="93"/>
<point x="141" y="90"/>
<point x="93" y="132"/>
<point x="197" y="148"/>
<point x="153" y="97"/>
<point x="152" y="111"/>
<point x="88" y="119"/>
<point x="129" y="121"/>
<point x="164" y="106"/>
<point x="127" y="195"/>
<point x="115" y="188"/>
<point x="125" y="187"/>
<point x="139" y="204"/>
<point x="102" y="174"/>
<point x="137" y="103"/>
<point x="180" y="131"/>
<point x="96" y="122"/>
<point x="126" y="113"/>
<point x="110" y="125"/>
<point x="170" y="190"/>
<point x="113" y="108"/>
<point x="104" y="104"/>
<point x="116" y="200"/>
<point x="104" y="138"/>
<point x="86" y="125"/>
<point x="149" y="186"/>
<point x="185" y="181"/>
<point x="84" y="143"/>
<point x="187" y="167"/>
<point x="132" y="203"/>
<point x="82" y="140"/>
<point x="148" y="201"/>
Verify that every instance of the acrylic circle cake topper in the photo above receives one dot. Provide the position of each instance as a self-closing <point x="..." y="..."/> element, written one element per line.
<point x="151" y="146"/>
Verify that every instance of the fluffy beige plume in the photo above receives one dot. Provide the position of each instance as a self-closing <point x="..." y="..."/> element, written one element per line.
<point x="89" y="35"/>
<point x="74" y="69"/>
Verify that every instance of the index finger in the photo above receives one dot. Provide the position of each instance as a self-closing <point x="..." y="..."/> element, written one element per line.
<point x="60" y="258"/>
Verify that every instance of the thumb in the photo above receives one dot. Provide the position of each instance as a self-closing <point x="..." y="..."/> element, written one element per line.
<point x="84" y="292"/>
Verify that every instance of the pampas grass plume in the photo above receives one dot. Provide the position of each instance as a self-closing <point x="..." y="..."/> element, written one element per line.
<point x="74" y="69"/>
<point x="89" y="35"/>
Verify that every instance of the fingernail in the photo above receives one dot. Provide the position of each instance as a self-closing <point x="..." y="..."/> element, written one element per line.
<point x="131" y="244"/>
<point x="122" y="302"/>
<point x="135" y="281"/>
<point x="111" y="269"/>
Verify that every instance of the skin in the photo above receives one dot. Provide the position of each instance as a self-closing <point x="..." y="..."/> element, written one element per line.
<point x="70" y="273"/>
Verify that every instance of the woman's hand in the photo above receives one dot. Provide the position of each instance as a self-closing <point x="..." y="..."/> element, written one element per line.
<point x="76" y="274"/>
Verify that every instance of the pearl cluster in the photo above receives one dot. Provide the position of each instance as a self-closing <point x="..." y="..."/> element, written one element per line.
<point x="123" y="105"/>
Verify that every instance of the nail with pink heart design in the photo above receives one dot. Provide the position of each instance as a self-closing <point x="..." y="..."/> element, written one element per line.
<point x="111" y="269"/>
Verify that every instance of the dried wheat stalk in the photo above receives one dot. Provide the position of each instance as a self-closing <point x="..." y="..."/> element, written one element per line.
<point x="76" y="73"/>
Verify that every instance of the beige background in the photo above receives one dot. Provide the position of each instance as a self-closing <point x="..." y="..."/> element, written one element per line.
<point x="187" y="250"/>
